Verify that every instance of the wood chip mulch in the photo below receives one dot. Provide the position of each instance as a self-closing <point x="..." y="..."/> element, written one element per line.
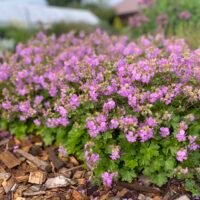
<point x="31" y="170"/>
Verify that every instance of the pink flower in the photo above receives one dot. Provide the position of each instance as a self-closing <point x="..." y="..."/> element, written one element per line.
<point x="37" y="122"/>
<point x="164" y="131"/>
<point x="94" y="158"/>
<point x="74" y="101"/>
<point x="184" y="170"/>
<point x="63" y="121"/>
<point x="137" y="20"/>
<point x="114" y="123"/>
<point x="109" y="105"/>
<point x="6" y="105"/>
<point x="4" y="72"/>
<point x="108" y="178"/>
<point x="37" y="60"/>
<point x="90" y="157"/>
<point x="185" y="15"/>
<point x="193" y="145"/>
<point x="181" y="137"/>
<point x="115" y="153"/>
<point x="150" y="121"/>
<point x="162" y="19"/>
<point x="53" y="91"/>
<point x="62" y="111"/>
<point x="38" y="99"/>
<point x="24" y="106"/>
<point x="145" y="133"/>
<point x="183" y="125"/>
<point x="92" y="128"/>
<point x="181" y="155"/>
<point x="131" y="137"/>
<point x="62" y="151"/>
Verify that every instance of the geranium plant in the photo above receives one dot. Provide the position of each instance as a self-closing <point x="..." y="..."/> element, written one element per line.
<point x="124" y="107"/>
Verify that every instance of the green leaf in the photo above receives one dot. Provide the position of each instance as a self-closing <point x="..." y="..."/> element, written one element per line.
<point x="174" y="122"/>
<point x="76" y="139"/>
<point x="3" y="124"/>
<point x="61" y="135"/>
<point x="128" y="175"/>
<point x="131" y="164"/>
<point x="107" y="135"/>
<point x="194" y="129"/>
<point x="170" y="164"/>
<point x="193" y="187"/>
<point x="148" y="152"/>
<point x="159" y="179"/>
<point x="48" y="135"/>
<point x="156" y="164"/>
<point x="19" y="129"/>
<point x="48" y="139"/>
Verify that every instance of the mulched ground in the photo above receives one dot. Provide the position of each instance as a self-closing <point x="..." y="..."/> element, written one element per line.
<point x="30" y="170"/>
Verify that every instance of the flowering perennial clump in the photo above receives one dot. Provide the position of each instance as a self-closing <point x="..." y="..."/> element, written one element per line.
<point x="124" y="107"/>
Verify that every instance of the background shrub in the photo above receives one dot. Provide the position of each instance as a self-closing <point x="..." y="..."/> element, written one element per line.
<point x="62" y="3"/>
<point x="178" y="14"/>
<point x="60" y="28"/>
<point x="19" y="34"/>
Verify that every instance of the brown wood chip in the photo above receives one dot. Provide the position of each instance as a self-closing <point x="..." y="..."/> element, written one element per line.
<point x="77" y="195"/>
<point x="105" y="196"/>
<point x="59" y="181"/>
<point x="81" y="181"/>
<point x="73" y="160"/>
<point x="57" y="162"/>
<point x="21" y="178"/>
<point x="3" y="142"/>
<point x="138" y="187"/>
<point x="9" y="185"/>
<point x="34" y="193"/>
<point x="19" y="191"/>
<point x="39" y="163"/>
<point x="9" y="159"/>
<point x="37" y="177"/>
<point x="78" y="174"/>
<point x="20" y="198"/>
<point x="5" y="176"/>
<point x="122" y="192"/>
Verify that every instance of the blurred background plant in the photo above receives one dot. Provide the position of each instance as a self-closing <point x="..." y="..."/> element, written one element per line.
<point x="169" y="17"/>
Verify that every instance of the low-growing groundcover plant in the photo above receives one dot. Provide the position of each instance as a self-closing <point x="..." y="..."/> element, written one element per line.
<point x="125" y="107"/>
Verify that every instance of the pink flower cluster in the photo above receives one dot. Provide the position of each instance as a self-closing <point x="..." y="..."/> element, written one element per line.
<point x="137" y="20"/>
<point x="181" y="136"/>
<point x="97" y="125"/>
<point x="108" y="178"/>
<point x="185" y="15"/>
<point x="90" y="157"/>
<point x="182" y="155"/>
<point x="115" y="153"/>
<point x="49" y="79"/>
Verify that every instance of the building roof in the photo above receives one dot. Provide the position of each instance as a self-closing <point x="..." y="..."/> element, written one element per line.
<point x="107" y="3"/>
<point x="128" y="7"/>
